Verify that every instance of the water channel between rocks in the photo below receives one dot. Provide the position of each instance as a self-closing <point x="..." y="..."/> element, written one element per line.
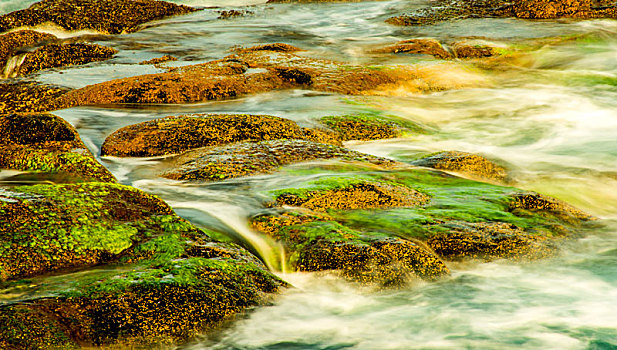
<point x="554" y="123"/>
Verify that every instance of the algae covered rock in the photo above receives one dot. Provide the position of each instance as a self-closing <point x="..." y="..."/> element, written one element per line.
<point x="62" y="55"/>
<point x="168" y="282"/>
<point x="417" y="46"/>
<point x="177" y="134"/>
<point x="248" y="158"/>
<point x="11" y="42"/>
<point x="369" y="127"/>
<point x="46" y="143"/>
<point x="28" y="96"/>
<point x="465" y="163"/>
<point x="106" y="16"/>
<point x="450" y="218"/>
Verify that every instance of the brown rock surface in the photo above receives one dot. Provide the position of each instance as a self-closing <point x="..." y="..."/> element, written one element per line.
<point x="466" y="163"/>
<point x="11" y="42"/>
<point x="28" y="96"/>
<point x="417" y="46"/>
<point x="105" y="16"/>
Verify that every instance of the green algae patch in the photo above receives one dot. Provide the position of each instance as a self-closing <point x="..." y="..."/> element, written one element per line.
<point x="49" y="227"/>
<point x="370" y="126"/>
<point x="46" y="143"/>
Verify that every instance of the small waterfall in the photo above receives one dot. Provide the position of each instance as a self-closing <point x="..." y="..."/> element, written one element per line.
<point x="12" y="66"/>
<point x="270" y="252"/>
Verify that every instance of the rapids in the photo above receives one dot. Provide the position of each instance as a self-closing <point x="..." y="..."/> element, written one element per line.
<point x="554" y="122"/>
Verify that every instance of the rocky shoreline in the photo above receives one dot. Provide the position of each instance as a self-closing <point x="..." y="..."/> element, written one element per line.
<point x="156" y="278"/>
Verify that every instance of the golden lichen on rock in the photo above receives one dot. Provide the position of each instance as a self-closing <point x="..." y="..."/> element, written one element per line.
<point x="178" y="134"/>
<point x="29" y="96"/>
<point x="46" y="143"/>
<point x="469" y="164"/>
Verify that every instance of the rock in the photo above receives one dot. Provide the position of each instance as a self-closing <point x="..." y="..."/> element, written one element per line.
<point x="464" y="49"/>
<point x="276" y="47"/>
<point x="11" y="42"/>
<point x="62" y="55"/>
<point x="417" y="46"/>
<point x="28" y="96"/>
<point x="249" y="158"/>
<point x="369" y="127"/>
<point x="225" y="14"/>
<point x="468" y="164"/>
<point x="159" y="60"/>
<point x="449" y="217"/>
<point x="46" y="143"/>
<point x="489" y="240"/>
<point x="315" y="245"/>
<point x="169" y="281"/>
<point x="443" y="10"/>
<point x="178" y="134"/>
<point x="257" y="70"/>
<point x="363" y="195"/>
<point x="322" y="136"/>
<point x="105" y="16"/>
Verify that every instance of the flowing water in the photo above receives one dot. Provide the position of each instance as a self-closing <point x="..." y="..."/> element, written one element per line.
<point x="553" y="119"/>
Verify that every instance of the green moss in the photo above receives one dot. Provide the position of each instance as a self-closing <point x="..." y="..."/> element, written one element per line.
<point x="322" y="184"/>
<point x="375" y="119"/>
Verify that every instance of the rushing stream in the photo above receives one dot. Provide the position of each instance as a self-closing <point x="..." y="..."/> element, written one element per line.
<point x="554" y="122"/>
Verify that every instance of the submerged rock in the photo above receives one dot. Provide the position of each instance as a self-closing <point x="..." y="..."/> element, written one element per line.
<point x="178" y="134"/>
<point x="369" y="127"/>
<point x="105" y="16"/>
<point x="159" y="60"/>
<point x="46" y="143"/>
<point x="249" y="158"/>
<point x="169" y="280"/>
<point x="29" y="96"/>
<point x="417" y="46"/>
<point x="465" y="163"/>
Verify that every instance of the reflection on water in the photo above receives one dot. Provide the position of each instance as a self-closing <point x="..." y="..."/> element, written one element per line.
<point x="552" y="118"/>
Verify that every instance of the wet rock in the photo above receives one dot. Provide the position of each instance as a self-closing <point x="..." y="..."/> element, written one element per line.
<point x="489" y="240"/>
<point x="465" y="163"/>
<point x="417" y="46"/>
<point x="178" y="134"/>
<point x="277" y="47"/>
<point x="465" y="49"/>
<point x="322" y="136"/>
<point x="248" y="158"/>
<point x="169" y="281"/>
<point x="443" y="10"/>
<point x="535" y="202"/>
<point x="316" y="245"/>
<point x="159" y="60"/>
<point x="11" y="42"/>
<point x="62" y="55"/>
<point x="363" y="195"/>
<point x="28" y="96"/>
<point x="105" y="16"/>
<point x="234" y="13"/>
<point x="369" y="127"/>
<point x="46" y="143"/>
<point x="257" y="71"/>
<point x="451" y="217"/>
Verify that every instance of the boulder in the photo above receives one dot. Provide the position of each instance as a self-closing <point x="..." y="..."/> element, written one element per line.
<point x="105" y="16"/>
<point x="367" y="127"/>
<point x="469" y="164"/>
<point x="29" y="96"/>
<point x="46" y="143"/>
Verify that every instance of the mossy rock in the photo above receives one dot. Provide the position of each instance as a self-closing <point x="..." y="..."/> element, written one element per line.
<point x="457" y="218"/>
<point x="50" y="227"/>
<point x="316" y="244"/>
<point x="62" y="55"/>
<point x="361" y="195"/>
<point x="469" y="164"/>
<point x="12" y="42"/>
<point x="105" y="16"/>
<point x="178" y="134"/>
<point x="46" y="143"/>
<point x="249" y="158"/>
<point x="171" y="283"/>
<point x="367" y="127"/>
<point x="27" y="96"/>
